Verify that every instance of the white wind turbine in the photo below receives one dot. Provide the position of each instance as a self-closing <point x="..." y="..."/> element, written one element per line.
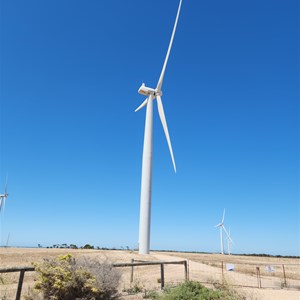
<point x="3" y="197"/>
<point x="146" y="182"/>
<point x="221" y="226"/>
<point x="229" y="240"/>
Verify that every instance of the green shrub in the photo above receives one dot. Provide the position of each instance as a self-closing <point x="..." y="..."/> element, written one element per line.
<point x="151" y="295"/>
<point x="135" y="289"/>
<point x="65" y="278"/>
<point x="192" y="290"/>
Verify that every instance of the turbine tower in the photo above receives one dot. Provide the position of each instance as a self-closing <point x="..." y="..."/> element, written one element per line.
<point x="146" y="182"/>
<point x="221" y="226"/>
<point x="3" y="197"/>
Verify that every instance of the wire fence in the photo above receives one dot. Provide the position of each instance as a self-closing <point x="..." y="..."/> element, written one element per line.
<point x="11" y="281"/>
<point x="145" y="275"/>
<point x="274" y="276"/>
<point x="152" y="274"/>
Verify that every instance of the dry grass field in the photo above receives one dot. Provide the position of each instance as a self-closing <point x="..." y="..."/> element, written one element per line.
<point x="206" y="268"/>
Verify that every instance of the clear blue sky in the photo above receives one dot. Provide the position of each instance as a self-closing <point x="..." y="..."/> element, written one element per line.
<point x="71" y="143"/>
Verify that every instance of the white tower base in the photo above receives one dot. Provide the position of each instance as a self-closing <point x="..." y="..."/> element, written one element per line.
<point x="146" y="184"/>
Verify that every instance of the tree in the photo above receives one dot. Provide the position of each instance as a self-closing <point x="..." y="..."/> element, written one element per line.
<point x="87" y="246"/>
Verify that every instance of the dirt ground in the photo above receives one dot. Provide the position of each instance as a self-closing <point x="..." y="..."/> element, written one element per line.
<point x="279" y="278"/>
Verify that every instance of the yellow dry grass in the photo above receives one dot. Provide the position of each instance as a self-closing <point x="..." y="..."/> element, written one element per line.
<point x="202" y="267"/>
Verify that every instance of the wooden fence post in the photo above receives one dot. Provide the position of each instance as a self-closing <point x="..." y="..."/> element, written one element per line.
<point x="19" y="290"/>
<point x="131" y="275"/>
<point x="258" y="277"/>
<point x="284" y="276"/>
<point x="222" y="272"/>
<point x="185" y="271"/>
<point x="162" y="276"/>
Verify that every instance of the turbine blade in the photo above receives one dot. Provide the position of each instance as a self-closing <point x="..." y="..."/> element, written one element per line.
<point x="7" y="240"/>
<point x="142" y="105"/>
<point x="164" y="124"/>
<point x="223" y="216"/>
<point x="4" y="202"/>
<point x="5" y="189"/>
<point x="1" y="203"/>
<point x="161" y="78"/>
<point x="225" y="231"/>
<point x="229" y="236"/>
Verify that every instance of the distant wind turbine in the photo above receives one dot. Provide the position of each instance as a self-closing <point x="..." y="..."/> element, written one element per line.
<point x="3" y="197"/>
<point x="221" y="226"/>
<point x="146" y="182"/>
<point x="229" y="240"/>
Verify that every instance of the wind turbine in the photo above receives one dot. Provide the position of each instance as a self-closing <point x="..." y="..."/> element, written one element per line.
<point x="3" y="197"/>
<point x="229" y="240"/>
<point x="221" y="226"/>
<point x="146" y="182"/>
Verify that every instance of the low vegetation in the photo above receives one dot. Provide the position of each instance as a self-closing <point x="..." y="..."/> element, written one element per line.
<point x="67" y="278"/>
<point x="134" y="289"/>
<point x="192" y="290"/>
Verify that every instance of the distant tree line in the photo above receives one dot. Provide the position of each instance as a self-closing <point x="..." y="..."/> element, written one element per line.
<point x="86" y="246"/>
<point x="269" y="255"/>
<point x="72" y="246"/>
<point x="237" y="254"/>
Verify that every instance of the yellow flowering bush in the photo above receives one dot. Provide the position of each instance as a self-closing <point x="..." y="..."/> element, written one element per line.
<point x="67" y="278"/>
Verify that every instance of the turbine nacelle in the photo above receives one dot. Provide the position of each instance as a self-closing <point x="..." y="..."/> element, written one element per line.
<point x="146" y="91"/>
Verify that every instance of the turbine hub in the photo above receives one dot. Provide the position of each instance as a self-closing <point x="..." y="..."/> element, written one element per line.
<point x="158" y="93"/>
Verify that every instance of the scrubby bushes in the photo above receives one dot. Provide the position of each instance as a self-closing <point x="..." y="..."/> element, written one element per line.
<point x="192" y="290"/>
<point x="67" y="278"/>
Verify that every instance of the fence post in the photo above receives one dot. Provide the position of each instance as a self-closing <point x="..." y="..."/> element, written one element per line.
<point x="19" y="290"/>
<point x="162" y="276"/>
<point x="185" y="271"/>
<point x="258" y="277"/>
<point x="222" y="272"/>
<point x="131" y="275"/>
<point x="284" y="276"/>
